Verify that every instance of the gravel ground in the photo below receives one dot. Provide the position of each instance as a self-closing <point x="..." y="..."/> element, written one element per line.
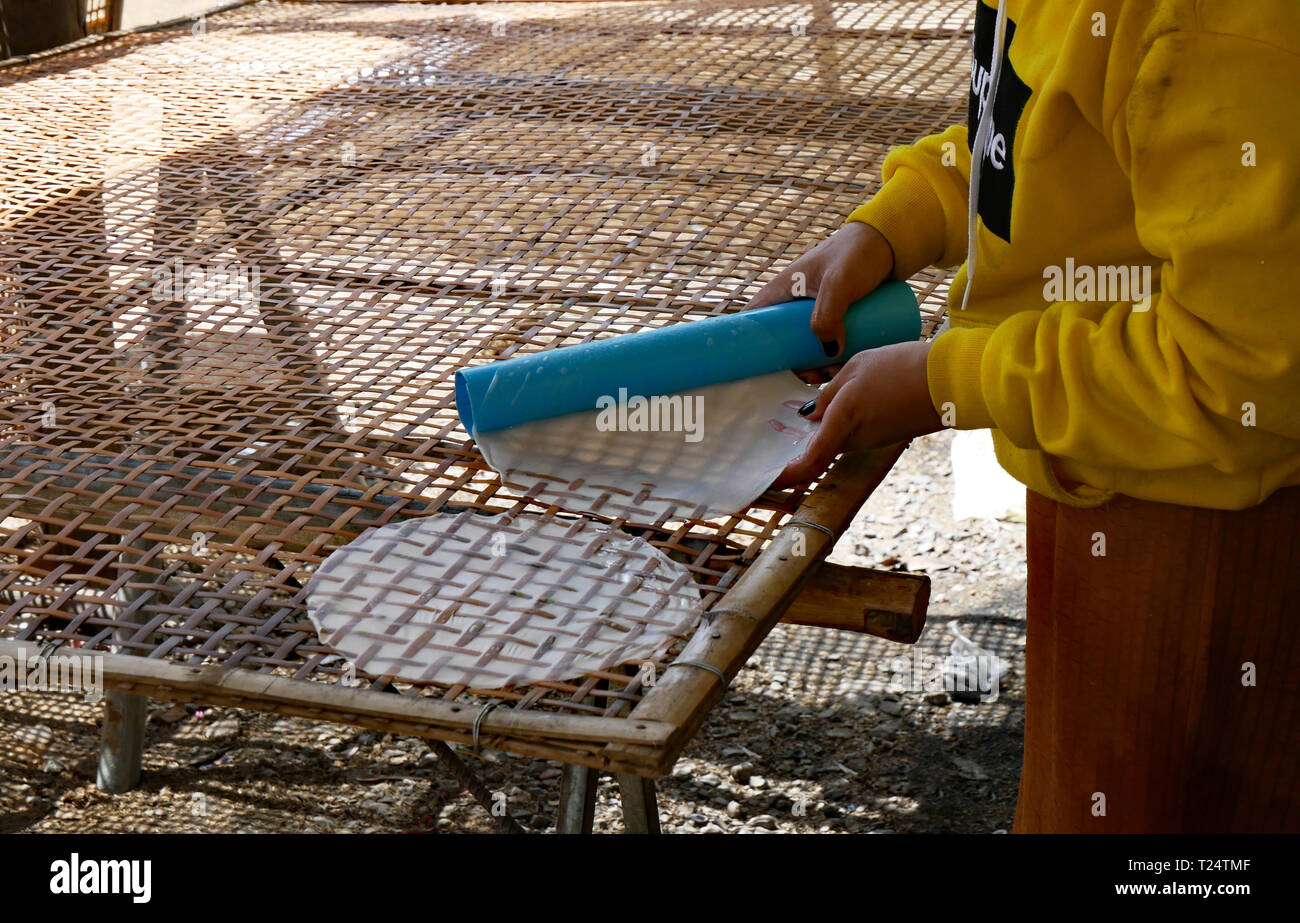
<point x="810" y="737"/>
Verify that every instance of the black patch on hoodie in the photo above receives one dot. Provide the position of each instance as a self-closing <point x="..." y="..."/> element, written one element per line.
<point x="998" y="177"/>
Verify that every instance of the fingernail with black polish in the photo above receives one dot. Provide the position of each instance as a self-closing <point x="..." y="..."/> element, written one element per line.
<point x="831" y="348"/>
<point x="808" y="408"/>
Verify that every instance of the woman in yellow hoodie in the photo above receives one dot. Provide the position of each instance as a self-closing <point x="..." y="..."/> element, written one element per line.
<point x="1126" y="197"/>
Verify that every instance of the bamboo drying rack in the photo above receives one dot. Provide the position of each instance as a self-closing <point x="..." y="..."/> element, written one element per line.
<point x="242" y="258"/>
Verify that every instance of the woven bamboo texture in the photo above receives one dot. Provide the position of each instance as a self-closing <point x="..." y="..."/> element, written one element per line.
<point x="241" y="261"/>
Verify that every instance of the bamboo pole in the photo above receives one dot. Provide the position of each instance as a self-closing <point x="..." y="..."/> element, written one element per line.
<point x="874" y="602"/>
<point x="121" y="745"/>
<point x="130" y="673"/>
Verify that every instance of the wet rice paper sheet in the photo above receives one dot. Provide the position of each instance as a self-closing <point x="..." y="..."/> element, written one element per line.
<point x="492" y="602"/>
<point x="698" y="454"/>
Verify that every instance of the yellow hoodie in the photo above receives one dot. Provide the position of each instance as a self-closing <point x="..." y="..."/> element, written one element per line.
<point x="1132" y="322"/>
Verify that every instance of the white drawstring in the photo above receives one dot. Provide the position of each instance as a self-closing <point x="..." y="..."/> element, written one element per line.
<point x="982" y="130"/>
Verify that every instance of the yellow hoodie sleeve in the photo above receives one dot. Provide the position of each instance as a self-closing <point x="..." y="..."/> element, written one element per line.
<point x="1209" y="374"/>
<point x="921" y="208"/>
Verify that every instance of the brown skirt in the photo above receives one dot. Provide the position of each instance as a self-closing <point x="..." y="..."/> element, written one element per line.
<point x="1163" y="677"/>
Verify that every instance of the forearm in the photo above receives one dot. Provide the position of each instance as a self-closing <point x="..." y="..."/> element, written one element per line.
<point x="921" y="207"/>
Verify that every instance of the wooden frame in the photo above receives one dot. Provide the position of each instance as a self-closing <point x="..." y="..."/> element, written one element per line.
<point x="645" y="743"/>
<point x="100" y="507"/>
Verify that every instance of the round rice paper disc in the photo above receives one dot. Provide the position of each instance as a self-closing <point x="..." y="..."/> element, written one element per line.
<point x="497" y="601"/>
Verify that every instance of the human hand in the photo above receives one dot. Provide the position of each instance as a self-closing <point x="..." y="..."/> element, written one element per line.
<point x="837" y="272"/>
<point x="880" y="396"/>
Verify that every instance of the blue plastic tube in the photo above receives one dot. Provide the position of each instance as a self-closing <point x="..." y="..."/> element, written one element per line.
<point x="672" y="359"/>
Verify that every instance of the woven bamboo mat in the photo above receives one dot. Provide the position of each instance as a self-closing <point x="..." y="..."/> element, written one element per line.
<point x="240" y="262"/>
